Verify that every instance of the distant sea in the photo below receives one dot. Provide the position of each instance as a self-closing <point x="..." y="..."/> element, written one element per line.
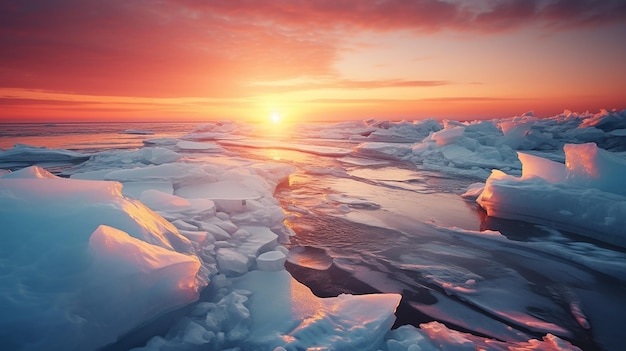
<point x="89" y="137"/>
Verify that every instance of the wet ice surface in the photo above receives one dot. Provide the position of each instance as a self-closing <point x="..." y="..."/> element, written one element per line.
<point x="375" y="224"/>
<point x="390" y="228"/>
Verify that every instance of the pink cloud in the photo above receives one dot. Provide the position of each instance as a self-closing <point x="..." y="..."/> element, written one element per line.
<point x="214" y="48"/>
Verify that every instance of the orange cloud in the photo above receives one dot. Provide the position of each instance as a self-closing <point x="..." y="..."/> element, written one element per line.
<point x="237" y="50"/>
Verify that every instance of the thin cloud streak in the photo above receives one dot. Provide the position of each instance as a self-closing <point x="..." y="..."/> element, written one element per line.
<point x="272" y="87"/>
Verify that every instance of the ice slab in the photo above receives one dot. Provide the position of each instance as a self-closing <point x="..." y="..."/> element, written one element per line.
<point x="33" y="172"/>
<point x="112" y="159"/>
<point x="91" y="175"/>
<point x="83" y="265"/>
<point x="560" y="205"/>
<point x="535" y="166"/>
<point x="160" y="141"/>
<point x="271" y="261"/>
<point x="221" y="190"/>
<point x="158" y="155"/>
<point x="285" y="313"/>
<point x="174" y="172"/>
<point x="31" y="154"/>
<point x="135" y="189"/>
<point x="261" y="239"/>
<point x="160" y="201"/>
<point x="198" y="146"/>
<point x="448" y="136"/>
<point x="230" y="262"/>
<point x="584" y="197"/>
<point x="590" y="166"/>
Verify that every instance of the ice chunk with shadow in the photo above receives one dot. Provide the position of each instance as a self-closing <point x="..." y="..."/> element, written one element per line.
<point x="158" y="155"/>
<point x="536" y="166"/>
<point x="56" y="200"/>
<point x="30" y="155"/>
<point x="285" y="313"/>
<point x="448" y="136"/>
<point x="164" y="202"/>
<point x="221" y="190"/>
<point x="144" y="156"/>
<point x="592" y="176"/>
<point x="82" y="265"/>
<point x="139" y="280"/>
<point x="33" y="172"/>
<point x="401" y="131"/>
<point x="92" y="175"/>
<point x="606" y="120"/>
<point x="160" y="141"/>
<point x="230" y="262"/>
<point x="176" y="173"/>
<point x="462" y="155"/>
<point x="590" y="166"/>
<point x="261" y="239"/>
<point x="271" y="261"/>
<point x="473" y="191"/>
<point x="228" y="195"/>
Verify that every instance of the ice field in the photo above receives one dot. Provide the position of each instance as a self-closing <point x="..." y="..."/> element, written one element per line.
<point x="506" y="234"/>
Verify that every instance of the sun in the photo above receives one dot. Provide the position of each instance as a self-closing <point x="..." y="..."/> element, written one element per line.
<point x="275" y="118"/>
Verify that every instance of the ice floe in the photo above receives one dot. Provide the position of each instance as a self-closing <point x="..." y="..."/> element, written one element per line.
<point x="133" y="234"/>
<point x="586" y="195"/>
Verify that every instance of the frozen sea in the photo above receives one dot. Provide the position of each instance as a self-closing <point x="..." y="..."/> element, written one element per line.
<point x="529" y="257"/>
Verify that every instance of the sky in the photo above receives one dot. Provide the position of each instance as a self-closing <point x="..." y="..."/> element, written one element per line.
<point x="194" y="60"/>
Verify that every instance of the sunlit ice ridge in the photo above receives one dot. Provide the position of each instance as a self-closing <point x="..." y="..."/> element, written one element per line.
<point x="499" y="234"/>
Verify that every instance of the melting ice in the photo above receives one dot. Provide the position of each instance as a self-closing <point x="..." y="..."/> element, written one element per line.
<point x="127" y="236"/>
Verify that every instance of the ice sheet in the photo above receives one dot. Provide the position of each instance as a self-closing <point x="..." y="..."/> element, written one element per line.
<point x="106" y="257"/>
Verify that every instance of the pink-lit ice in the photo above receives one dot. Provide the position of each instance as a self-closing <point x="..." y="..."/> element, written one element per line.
<point x="83" y="265"/>
<point x="101" y="255"/>
<point x="269" y="310"/>
<point x="585" y="195"/>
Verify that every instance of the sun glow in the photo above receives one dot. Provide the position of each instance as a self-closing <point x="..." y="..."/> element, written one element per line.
<point x="275" y="118"/>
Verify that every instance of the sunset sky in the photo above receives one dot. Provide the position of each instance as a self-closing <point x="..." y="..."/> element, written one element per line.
<point x="83" y="60"/>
